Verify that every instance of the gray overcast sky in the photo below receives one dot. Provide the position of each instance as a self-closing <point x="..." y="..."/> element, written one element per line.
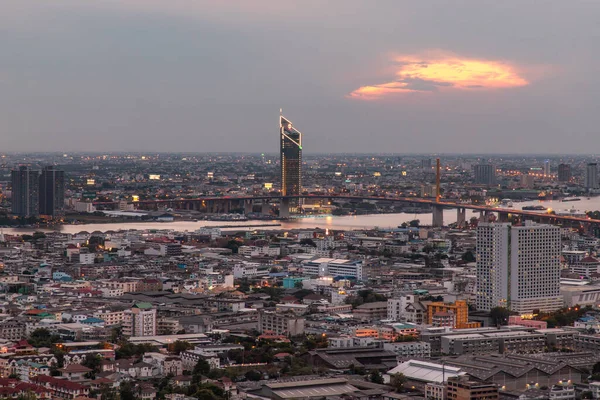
<point x="354" y="76"/>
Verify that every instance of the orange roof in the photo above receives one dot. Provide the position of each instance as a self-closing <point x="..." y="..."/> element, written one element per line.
<point x="35" y="311"/>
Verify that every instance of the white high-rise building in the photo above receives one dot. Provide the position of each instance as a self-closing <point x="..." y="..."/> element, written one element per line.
<point x="518" y="267"/>
<point x="140" y="320"/>
<point x="396" y="307"/>
<point x="591" y="176"/>
<point x="492" y="265"/>
<point x="546" y="168"/>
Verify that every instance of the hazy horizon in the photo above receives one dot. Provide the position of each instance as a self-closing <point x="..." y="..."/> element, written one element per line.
<point x="470" y="77"/>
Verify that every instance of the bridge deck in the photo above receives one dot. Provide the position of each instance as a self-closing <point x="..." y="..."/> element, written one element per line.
<point x="371" y="198"/>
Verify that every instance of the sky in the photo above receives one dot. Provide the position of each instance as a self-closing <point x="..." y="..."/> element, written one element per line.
<point x="368" y="76"/>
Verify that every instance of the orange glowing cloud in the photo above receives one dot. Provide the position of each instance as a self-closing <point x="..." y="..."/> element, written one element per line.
<point x="442" y="72"/>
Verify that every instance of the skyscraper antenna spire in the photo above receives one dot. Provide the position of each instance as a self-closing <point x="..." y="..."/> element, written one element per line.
<point x="281" y="111"/>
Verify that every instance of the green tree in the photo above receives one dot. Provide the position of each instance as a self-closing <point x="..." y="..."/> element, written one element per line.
<point x="468" y="256"/>
<point x="398" y="381"/>
<point x="107" y="393"/>
<point x="302" y="293"/>
<point x="218" y="392"/>
<point x="499" y="315"/>
<point x="202" y="367"/>
<point x="414" y="223"/>
<point x="308" y="242"/>
<point x="38" y="235"/>
<point x="405" y="338"/>
<point x="181" y="345"/>
<point x="360" y="370"/>
<point x="42" y="337"/>
<point x="244" y="285"/>
<point x="312" y="342"/>
<point x="428" y="249"/>
<point x="115" y="334"/>
<point x="376" y="377"/>
<point x="28" y="395"/>
<point x="127" y="349"/>
<point x="93" y="363"/>
<point x="593" y="214"/>
<point x="59" y="354"/>
<point x="234" y="245"/>
<point x="253" y="375"/>
<point x="205" y="394"/>
<point x="126" y="391"/>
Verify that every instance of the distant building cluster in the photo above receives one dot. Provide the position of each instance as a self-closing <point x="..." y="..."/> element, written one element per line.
<point x="500" y="304"/>
<point x="35" y="193"/>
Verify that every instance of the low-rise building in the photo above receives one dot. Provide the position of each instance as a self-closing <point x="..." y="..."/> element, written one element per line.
<point x="459" y="310"/>
<point x="520" y="371"/>
<point x="62" y="388"/>
<point x="27" y="369"/>
<point x="461" y="388"/>
<point x="371" y="311"/>
<point x="409" y="349"/>
<point x="250" y="270"/>
<point x="471" y="343"/>
<point x="12" y="330"/>
<point x="281" y="324"/>
<point x="334" y="267"/>
<point x="562" y="391"/>
<point x="419" y="373"/>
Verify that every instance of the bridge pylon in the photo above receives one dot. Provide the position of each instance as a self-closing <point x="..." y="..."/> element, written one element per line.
<point x="265" y="207"/>
<point x="461" y="217"/>
<point x="438" y="216"/>
<point x="284" y="208"/>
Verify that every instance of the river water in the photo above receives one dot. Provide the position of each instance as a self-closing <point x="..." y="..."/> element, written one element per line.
<point x="335" y="223"/>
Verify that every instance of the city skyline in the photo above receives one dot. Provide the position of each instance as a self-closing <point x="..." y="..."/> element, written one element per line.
<point x="423" y="78"/>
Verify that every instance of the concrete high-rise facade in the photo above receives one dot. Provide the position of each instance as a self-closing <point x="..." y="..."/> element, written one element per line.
<point x="140" y="320"/>
<point x="25" y="192"/>
<point x="564" y="173"/>
<point x="485" y="174"/>
<point x="518" y="267"/>
<point x="591" y="176"/>
<point x="52" y="191"/>
<point x="291" y="159"/>
<point x="492" y="247"/>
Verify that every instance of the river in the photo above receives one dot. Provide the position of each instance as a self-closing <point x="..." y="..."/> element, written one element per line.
<point x="334" y="223"/>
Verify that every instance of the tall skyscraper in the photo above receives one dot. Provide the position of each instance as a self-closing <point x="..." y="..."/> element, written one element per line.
<point x="564" y="173"/>
<point x="546" y="168"/>
<point x="52" y="191"/>
<point x="591" y="176"/>
<point x="25" y="192"/>
<point x="518" y="267"/>
<point x="485" y="174"/>
<point x="291" y="159"/>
